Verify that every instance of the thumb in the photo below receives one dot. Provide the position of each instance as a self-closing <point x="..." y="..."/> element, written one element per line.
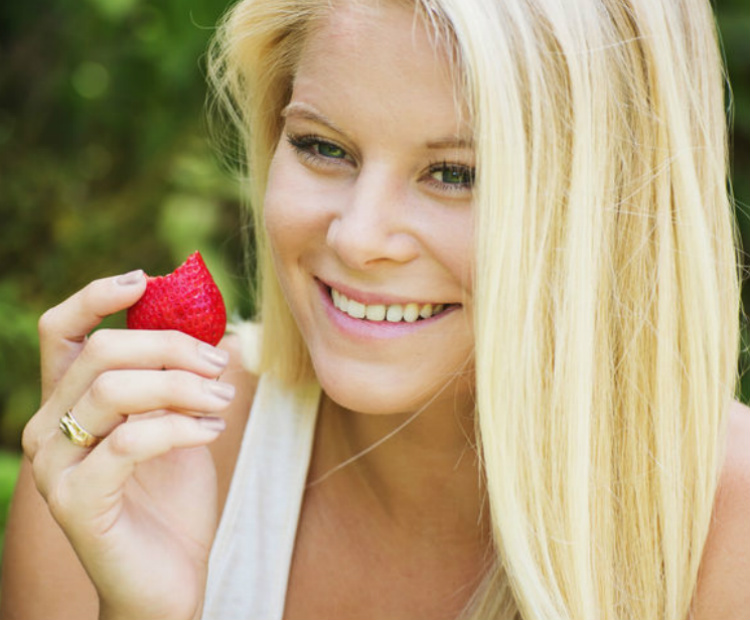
<point x="63" y="329"/>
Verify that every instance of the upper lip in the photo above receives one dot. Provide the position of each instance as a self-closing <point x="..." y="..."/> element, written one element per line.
<point x="373" y="298"/>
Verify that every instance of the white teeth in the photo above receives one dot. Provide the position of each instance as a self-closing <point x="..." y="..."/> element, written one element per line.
<point x="375" y="313"/>
<point x="411" y="313"/>
<point x="356" y="309"/>
<point x="393" y="313"/>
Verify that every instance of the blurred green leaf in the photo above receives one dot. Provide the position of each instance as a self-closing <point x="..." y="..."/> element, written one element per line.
<point x="105" y="162"/>
<point x="10" y="463"/>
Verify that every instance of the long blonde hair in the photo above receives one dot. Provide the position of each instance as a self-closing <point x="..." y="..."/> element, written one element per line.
<point x="606" y="282"/>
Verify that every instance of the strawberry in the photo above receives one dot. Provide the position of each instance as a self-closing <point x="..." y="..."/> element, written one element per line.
<point x="187" y="300"/>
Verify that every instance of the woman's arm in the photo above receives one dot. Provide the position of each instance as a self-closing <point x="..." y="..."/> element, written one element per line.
<point x="41" y="577"/>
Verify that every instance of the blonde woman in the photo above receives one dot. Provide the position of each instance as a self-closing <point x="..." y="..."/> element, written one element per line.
<point x="495" y="372"/>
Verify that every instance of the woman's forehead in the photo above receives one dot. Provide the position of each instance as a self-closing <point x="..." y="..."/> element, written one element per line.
<point x="375" y="21"/>
<point x="381" y="60"/>
<point x="362" y="32"/>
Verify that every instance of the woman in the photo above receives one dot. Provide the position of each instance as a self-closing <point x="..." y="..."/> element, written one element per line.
<point x="499" y="305"/>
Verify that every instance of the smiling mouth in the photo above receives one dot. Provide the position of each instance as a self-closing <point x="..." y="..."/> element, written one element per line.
<point x="390" y="313"/>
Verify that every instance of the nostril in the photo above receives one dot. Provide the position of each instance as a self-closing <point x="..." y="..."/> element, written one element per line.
<point x="361" y="243"/>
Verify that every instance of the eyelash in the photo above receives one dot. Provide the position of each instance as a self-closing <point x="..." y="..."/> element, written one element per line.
<point x="460" y="169"/>
<point x="307" y="146"/>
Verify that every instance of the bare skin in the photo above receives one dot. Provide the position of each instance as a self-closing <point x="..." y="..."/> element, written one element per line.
<point x="48" y="579"/>
<point x="723" y="591"/>
<point x="154" y="466"/>
<point x="40" y="566"/>
<point x="369" y="194"/>
<point x="381" y="530"/>
<point x="405" y="525"/>
<point x="43" y="577"/>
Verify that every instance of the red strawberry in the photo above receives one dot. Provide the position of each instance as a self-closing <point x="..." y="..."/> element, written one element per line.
<point x="187" y="300"/>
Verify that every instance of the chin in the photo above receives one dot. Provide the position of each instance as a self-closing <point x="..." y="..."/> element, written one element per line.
<point x="365" y="389"/>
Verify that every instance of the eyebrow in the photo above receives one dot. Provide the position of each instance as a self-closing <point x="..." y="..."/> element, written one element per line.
<point x="308" y="112"/>
<point x="451" y="143"/>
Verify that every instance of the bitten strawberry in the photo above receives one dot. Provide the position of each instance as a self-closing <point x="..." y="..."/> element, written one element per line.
<point x="187" y="300"/>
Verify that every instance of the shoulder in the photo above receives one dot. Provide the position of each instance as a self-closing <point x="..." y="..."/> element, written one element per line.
<point x="723" y="590"/>
<point x="226" y="448"/>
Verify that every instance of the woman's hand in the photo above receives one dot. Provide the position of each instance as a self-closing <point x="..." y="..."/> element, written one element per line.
<point x="140" y="507"/>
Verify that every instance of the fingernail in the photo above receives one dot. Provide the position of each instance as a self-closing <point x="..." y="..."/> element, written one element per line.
<point x="213" y="424"/>
<point x="214" y="356"/>
<point x="130" y="278"/>
<point x="225" y="391"/>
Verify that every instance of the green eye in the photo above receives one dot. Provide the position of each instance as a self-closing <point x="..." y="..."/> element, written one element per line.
<point x="318" y="153"/>
<point x="453" y="174"/>
<point x="326" y="149"/>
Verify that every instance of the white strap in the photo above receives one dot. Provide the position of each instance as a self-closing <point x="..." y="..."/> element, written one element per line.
<point x="251" y="557"/>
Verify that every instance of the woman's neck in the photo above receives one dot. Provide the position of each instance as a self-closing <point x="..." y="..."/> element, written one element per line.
<point x="414" y="474"/>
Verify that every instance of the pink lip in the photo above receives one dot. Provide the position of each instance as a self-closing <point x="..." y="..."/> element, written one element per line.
<point x="373" y="330"/>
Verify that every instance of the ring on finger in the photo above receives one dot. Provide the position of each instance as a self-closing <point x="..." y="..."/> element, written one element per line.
<point x="78" y="435"/>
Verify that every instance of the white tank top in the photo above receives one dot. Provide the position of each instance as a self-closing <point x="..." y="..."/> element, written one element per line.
<point x="250" y="560"/>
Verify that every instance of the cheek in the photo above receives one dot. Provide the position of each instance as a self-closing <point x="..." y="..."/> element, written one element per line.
<point x="291" y="211"/>
<point x="450" y="236"/>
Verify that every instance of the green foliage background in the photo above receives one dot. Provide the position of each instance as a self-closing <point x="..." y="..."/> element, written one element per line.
<point x="106" y="165"/>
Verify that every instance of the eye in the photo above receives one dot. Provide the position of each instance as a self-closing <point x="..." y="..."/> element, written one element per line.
<point x="326" y="149"/>
<point x="316" y="150"/>
<point x="452" y="174"/>
<point x="452" y="177"/>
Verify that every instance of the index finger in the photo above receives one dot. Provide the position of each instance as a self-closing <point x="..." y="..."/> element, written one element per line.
<point x="63" y="328"/>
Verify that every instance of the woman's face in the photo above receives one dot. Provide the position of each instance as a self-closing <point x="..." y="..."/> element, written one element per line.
<point x="368" y="212"/>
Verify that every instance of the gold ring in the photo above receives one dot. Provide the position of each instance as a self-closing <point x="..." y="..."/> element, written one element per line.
<point x="78" y="435"/>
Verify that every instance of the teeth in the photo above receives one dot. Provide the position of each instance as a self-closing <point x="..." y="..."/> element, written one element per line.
<point x="394" y="313"/>
<point x="356" y="309"/>
<point x="411" y="313"/>
<point x="375" y="313"/>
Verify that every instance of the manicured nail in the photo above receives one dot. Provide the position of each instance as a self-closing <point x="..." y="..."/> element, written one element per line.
<point x="130" y="278"/>
<point x="214" y="356"/>
<point x="225" y="391"/>
<point x="213" y="424"/>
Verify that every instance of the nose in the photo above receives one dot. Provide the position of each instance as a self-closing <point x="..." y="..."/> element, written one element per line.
<point x="374" y="224"/>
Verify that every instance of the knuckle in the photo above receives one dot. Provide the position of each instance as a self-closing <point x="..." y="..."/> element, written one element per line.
<point x="48" y="323"/>
<point x="179" y="382"/>
<point x="98" y="344"/>
<point x="175" y="428"/>
<point x="90" y="293"/>
<point x="177" y="424"/>
<point x="37" y="434"/>
<point x="123" y="440"/>
<point x="59" y="500"/>
<point x="103" y="389"/>
<point x="40" y="471"/>
<point x="173" y="339"/>
<point x="93" y="351"/>
<point x="30" y="438"/>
